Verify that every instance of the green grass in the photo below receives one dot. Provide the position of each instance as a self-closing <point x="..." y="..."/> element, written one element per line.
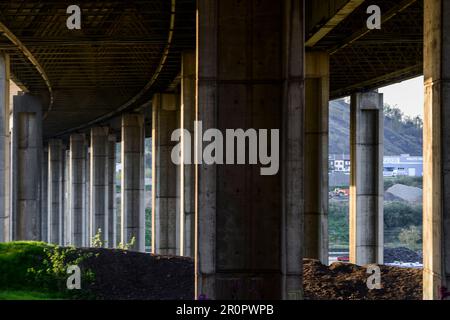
<point x="28" y="295"/>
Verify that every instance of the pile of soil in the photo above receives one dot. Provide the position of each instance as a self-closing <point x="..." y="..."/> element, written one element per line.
<point x="345" y="281"/>
<point x="392" y="255"/>
<point x="131" y="275"/>
<point x="126" y="275"/>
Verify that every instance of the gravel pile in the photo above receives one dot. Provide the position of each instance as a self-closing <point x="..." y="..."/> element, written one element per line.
<point x="400" y="192"/>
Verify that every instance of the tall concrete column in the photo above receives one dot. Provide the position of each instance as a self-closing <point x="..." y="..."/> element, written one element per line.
<point x="67" y="222"/>
<point x="55" y="190"/>
<point x="87" y="222"/>
<point x="165" y="226"/>
<point x="436" y="181"/>
<point x="133" y="212"/>
<point x="316" y="161"/>
<point x="187" y="171"/>
<point x="111" y="243"/>
<point x="77" y="178"/>
<point x="44" y="196"/>
<point x="4" y="148"/>
<point x="366" y="178"/>
<point x="26" y="145"/>
<point x="251" y="75"/>
<point x="99" y="182"/>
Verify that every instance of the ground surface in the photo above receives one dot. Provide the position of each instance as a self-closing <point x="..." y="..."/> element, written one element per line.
<point x="126" y="275"/>
<point x="345" y="281"/>
<point x="130" y="275"/>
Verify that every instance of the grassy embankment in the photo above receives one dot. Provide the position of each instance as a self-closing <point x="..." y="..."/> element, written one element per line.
<point x="36" y="271"/>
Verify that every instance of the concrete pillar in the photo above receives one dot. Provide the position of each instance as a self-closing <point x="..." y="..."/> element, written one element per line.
<point x="111" y="243"/>
<point x="165" y="226"/>
<point x="55" y="190"/>
<point x="316" y="161"/>
<point x="44" y="196"/>
<point x="436" y="146"/>
<point x="67" y="223"/>
<point x="4" y="148"/>
<point x="87" y="237"/>
<point x="251" y="75"/>
<point x="99" y="182"/>
<point x="133" y="213"/>
<point x="77" y="178"/>
<point x="26" y="168"/>
<point x="187" y="171"/>
<point x="366" y="178"/>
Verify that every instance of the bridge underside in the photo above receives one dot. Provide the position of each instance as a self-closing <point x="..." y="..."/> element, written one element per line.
<point x="124" y="52"/>
<point x="144" y="68"/>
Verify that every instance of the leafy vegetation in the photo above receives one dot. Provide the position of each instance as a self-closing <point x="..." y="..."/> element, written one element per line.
<point x="412" y="237"/>
<point x="405" y="180"/>
<point x="37" y="270"/>
<point x="97" y="241"/>
<point x="338" y="224"/>
<point x="148" y="227"/>
<point x="402" y="224"/>
<point x="126" y="246"/>
<point x="401" y="215"/>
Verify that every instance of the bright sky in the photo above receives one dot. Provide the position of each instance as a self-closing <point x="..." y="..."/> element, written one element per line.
<point x="13" y="89"/>
<point x="407" y="95"/>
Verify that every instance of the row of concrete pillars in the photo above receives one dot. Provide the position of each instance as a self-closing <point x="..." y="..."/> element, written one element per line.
<point x="247" y="232"/>
<point x="65" y="193"/>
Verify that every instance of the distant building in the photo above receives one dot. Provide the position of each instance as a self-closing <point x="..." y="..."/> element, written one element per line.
<point x="339" y="163"/>
<point x="402" y="165"/>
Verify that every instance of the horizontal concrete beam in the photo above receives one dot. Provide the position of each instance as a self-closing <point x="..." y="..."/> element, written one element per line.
<point x="340" y="16"/>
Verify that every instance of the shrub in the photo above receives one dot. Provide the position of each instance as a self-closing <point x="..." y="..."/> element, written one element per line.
<point x="338" y="223"/>
<point x="41" y="268"/>
<point x="410" y="237"/>
<point x="400" y="214"/>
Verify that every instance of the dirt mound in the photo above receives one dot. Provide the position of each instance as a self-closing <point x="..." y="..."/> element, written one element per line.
<point x="344" y="281"/>
<point x="126" y="275"/>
